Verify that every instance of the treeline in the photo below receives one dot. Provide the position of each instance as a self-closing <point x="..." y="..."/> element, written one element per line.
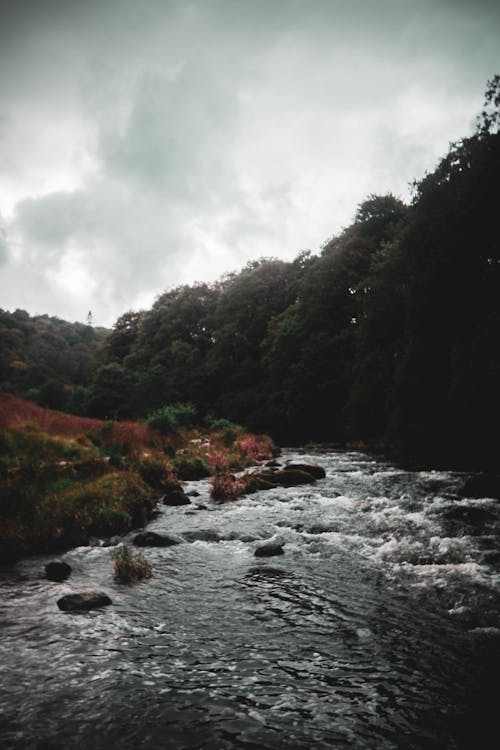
<point x="390" y="335"/>
<point x="47" y="360"/>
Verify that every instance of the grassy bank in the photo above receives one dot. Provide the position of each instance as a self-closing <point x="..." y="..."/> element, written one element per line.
<point x="64" y="479"/>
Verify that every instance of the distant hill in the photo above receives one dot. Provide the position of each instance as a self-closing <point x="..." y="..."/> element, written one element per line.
<point x="46" y="359"/>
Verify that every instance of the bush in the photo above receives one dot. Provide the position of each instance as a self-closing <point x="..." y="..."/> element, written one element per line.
<point x="110" y="521"/>
<point x="191" y="468"/>
<point x="130" y="566"/>
<point x="170" y="418"/>
<point x="157" y="474"/>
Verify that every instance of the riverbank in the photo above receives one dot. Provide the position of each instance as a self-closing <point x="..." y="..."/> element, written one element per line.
<point x="65" y="479"/>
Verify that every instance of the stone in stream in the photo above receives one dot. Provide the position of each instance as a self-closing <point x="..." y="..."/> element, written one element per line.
<point x="270" y="548"/>
<point x="315" y="470"/>
<point x="83" y="601"/>
<point x="152" y="539"/>
<point x="176" y="497"/>
<point x="57" y="570"/>
<point x="293" y="477"/>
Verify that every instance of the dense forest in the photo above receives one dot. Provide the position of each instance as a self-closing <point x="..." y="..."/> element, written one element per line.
<point x="390" y="335"/>
<point x="47" y="360"/>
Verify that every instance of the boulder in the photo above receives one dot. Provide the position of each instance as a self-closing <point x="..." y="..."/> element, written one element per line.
<point x="83" y="601"/>
<point x="269" y="549"/>
<point x="57" y="570"/>
<point x="315" y="470"/>
<point x="191" y="469"/>
<point x="152" y="539"/>
<point x="177" y="497"/>
<point x="293" y="477"/>
<point x="258" y="482"/>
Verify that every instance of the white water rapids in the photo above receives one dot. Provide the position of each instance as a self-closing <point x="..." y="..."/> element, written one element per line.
<point x="379" y="628"/>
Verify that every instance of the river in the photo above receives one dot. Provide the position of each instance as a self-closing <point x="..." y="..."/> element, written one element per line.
<point x="378" y="628"/>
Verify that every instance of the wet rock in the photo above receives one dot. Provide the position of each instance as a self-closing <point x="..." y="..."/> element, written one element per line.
<point x="288" y="477"/>
<point x="256" y="483"/>
<point x="152" y="539"/>
<point x="176" y="497"/>
<point x="191" y="469"/>
<point x="193" y="493"/>
<point x="272" y="464"/>
<point x="293" y="477"/>
<point x="315" y="470"/>
<point x="57" y="570"/>
<point x="269" y="549"/>
<point x="83" y="601"/>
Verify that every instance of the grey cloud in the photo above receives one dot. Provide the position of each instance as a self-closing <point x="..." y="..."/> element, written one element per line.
<point x="151" y="143"/>
<point x="3" y="243"/>
<point x="176" y="133"/>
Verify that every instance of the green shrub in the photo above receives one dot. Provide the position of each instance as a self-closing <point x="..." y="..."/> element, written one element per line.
<point x="130" y="566"/>
<point x="170" y="418"/>
<point x="222" y="424"/>
<point x="191" y="468"/>
<point x="110" y="521"/>
<point x="157" y="474"/>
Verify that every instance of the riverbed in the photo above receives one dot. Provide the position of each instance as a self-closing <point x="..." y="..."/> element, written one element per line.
<point x="378" y="628"/>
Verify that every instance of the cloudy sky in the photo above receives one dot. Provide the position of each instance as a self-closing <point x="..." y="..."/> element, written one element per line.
<point x="148" y="143"/>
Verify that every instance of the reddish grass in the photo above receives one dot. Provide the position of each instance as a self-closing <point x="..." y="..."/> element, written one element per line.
<point x="16" y="412"/>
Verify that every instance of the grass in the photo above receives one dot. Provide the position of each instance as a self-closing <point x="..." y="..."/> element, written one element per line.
<point x="130" y="566"/>
<point x="64" y="478"/>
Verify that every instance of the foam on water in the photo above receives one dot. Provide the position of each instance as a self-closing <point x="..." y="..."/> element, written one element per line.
<point x="367" y="634"/>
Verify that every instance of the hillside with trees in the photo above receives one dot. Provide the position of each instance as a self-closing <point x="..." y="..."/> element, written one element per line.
<point x="388" y="336"/>
<point x="46" y="359"/>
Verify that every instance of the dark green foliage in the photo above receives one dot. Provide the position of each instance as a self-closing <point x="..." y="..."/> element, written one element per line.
<point x="389" y="335"/>
<point x="111" y="394"/>
<point x="169" y="419"/>
<point x="110" y="521"/>
<point x="188" y="468"/>
<point x="47" y="360"/>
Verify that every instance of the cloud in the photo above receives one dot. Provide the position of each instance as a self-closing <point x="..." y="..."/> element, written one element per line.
<point x="155" y="143"/>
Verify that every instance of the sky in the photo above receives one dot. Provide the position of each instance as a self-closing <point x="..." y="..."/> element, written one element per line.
<point x="150" y="143"/>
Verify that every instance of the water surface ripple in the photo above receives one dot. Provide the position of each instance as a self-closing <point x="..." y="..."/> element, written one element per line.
<point x="378" y="628"/>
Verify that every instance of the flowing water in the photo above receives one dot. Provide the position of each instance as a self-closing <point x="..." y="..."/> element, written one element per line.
<point x="378" y="628"/>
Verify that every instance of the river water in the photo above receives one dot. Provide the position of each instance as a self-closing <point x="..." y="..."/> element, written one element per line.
<point x="378" y="628"/>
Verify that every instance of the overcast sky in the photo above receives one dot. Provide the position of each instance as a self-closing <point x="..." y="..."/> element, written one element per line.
<point x="148" y="143"/>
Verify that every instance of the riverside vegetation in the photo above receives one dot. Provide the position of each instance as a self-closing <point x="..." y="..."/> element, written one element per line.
<point x="65" y="479"/>
<point x="386" y="338"/>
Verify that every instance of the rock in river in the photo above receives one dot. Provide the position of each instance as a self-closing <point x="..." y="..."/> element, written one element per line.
<point x="176" y="497"/>
<point x="269" y="549"/>
<point x="83" y="601"/>
<point x="57" y="570"/>
<point x="315" y="470"/>
<point x="152" y="539"/>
